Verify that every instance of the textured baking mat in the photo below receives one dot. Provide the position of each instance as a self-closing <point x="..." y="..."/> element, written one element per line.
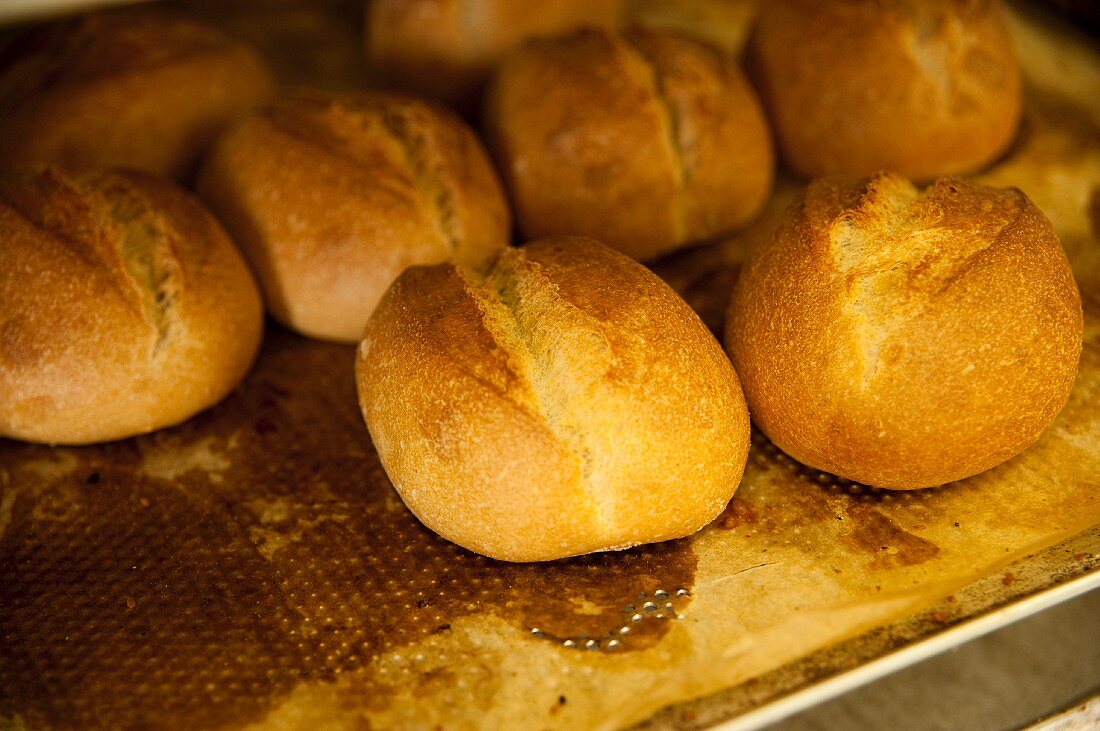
<point x="254" y="568"/>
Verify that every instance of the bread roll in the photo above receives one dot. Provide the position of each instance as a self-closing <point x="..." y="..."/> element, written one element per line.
<point x="903" y="338"/>
<point x="447" y="49"/>
<point x="646" y="141"/>
<point x="331" y="197"/>
<point x="139" y="88"/>
<point x="722" y="23"/>
<point x="123" y="306"/>
<point x="567" y="401"/>
<point x="857" y="86"/>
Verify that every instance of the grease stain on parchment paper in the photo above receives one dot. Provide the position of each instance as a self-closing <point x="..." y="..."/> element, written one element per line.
<point x="814" y="509"/>
<point x="207" y="571"/>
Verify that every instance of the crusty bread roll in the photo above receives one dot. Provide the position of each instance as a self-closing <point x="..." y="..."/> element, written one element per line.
<point x="722" y="23"/>
<point x="447" y="49"/>
<point x="567" y="401"/>
<point x="123" y="306"/>
<point x="857" y="86"/>
<point x="138" y="88"/>
<point x="646" y="141"/>
<point x="902" y="338"/>
<point x="331" y="197"/>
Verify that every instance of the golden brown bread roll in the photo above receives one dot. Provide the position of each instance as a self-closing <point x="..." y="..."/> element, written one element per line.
<point x="123" y="306"/>
<point x="857" y="86"/>
<point x="906" y="339"/>
<point x="566" y="402"/>
<point x="331" y="197"/>
<point x="447" y="49"/>
<point x="138" y="88"/>
<point x="722" y="23"/>
<point x="646" y="141"/>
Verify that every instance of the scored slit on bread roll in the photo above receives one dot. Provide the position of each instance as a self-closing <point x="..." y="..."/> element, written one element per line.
<point x="646" y="140"/>
<point x="903" y="338"/>
<point x="922" y="87"/>
<point x="136" y="87"/>
<point x="332" y="196"/>
<point x="123" y="306"/>
<point x="565" y="401"/>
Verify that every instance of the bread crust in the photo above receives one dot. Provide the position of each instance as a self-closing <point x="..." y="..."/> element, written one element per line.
<point x="139" y="88"/>
<point x="331" y="197"/>
<point x="565" y="402"/>
<point x="446" y="49"/>
<point x="906" y="339"/>
<point x="124" y="307"/>
<point x="856" y="86"/>
<point x="645" y="140"/>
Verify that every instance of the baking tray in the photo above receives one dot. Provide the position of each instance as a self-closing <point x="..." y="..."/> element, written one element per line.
<point x="1021" y="589"/>
<point x="254" y="568"/>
